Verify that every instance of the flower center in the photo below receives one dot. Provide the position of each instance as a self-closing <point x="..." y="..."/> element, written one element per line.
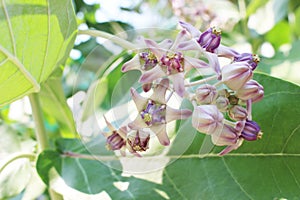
<point x="172" y="63"/>
<point x="255" y="58"/>
<point x="154" y="113"/>
<point x="216" y="31"/>
<point x="148" y="60"/>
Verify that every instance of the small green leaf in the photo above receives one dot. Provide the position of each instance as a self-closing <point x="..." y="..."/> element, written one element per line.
<point x="36" y="36"/>
<point x="281" y="30"/>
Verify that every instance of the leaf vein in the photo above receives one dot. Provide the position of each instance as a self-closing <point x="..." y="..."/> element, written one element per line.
<point x="86" y="180"/>
<point x="174" y="185"/>
<point x="288" y="139"/>
<point x="10" y="28"/>
<point x="235" y="180"/>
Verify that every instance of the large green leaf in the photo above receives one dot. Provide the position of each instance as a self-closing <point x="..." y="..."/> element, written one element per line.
<point x="36" y="36"/>
<point x="265" y="169"/>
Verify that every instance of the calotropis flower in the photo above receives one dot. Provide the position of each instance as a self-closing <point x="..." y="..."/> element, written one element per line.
<point x="207" y="118"/>
<point x="153" y="112"/>
<point x="166" y="61"/>
<point x="206" y="94"/>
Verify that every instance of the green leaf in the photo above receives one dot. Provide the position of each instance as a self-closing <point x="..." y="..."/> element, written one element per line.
<point x="254" y="5"/>
<point x="281" y="30"/>
<point x="272" y="161"/>
<point x="36" y="36"/>
<point x="54" y="104"/>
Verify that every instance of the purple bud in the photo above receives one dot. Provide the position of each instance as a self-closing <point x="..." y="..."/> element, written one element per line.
<point x="235" y="75"/>
<point x="210" y="39"/>
<point x="222" y="103"/>
<point x="115" y="141"/>
<point x="252" y="59"/>
<point x="207" y="118"/>
<point x="139" y="142"/>
<point x="238" y="113"/>
<point x="251" y="90"/>
<point x="206" y="94"/>
<point x="251" y="131"/>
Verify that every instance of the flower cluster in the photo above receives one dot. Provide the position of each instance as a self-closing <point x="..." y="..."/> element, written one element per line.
<point x="222" y="96"/>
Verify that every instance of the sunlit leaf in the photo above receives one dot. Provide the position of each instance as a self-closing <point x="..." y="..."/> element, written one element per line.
<point x="36" y="36"/>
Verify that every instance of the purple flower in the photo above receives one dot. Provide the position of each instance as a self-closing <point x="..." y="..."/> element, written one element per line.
<point x="138" y="142"/>
<point x="207" y="118"/>
<point x="235" y="75"/>
<point x="252" y="59"/>
<point x="154" y="113"/>
<point x="116" y="138"/>
<point x="251" y="131"/>
<point x="251" y="90"/>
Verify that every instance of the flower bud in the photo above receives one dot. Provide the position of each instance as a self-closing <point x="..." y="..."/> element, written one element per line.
<point x="251" y="90"/>
<point x="238" y="113"/>
<point x="206" y="94"/>
<point x="210" y="39"/>
<point x="115" y="141"/>
<point x="139" y="142"/>
<point x="227" y="135"/>
<point x="207" y="118"/>
<point x="252" y="59"/>
<point x="222" y="103"/>
<point x="251" y="131"/>
<point x="235" y="75"/>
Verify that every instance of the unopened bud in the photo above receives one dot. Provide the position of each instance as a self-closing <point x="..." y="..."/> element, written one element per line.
<point x="222" y="103"/>
<point x="251" y="90"/>
<point x="207" y="118"/>
<point x="251" y="131"/>
<point x="235" y="75"/>
<point x="238" y="113"/>
<point x="206" y="94"/>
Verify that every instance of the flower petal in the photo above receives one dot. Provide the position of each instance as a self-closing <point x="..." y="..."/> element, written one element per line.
<point x="138" y="123"/>
<point x="202" y="67"/>
<point x="155" y="48"/>
<point x="159" y="91"/>
<point x="132" y="64"/>
<point x="182" y="35"/>
<point x="178" y="83"/>
<point x="213" y="62"/>
<point x="191" y="29"/>
<point x="189" y="45"/>
<point x="152" y="75"/>
<point x="175" y="114"/>
<point x="226" y="52"/>
<point x="231" y="147"/>
<point x="140" y="102"/>
<point x="161" y="134"/>
<point x="165" y="44"/>
<point x="109" y="125"/>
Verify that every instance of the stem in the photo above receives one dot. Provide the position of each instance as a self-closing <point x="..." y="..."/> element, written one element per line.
<point x="201" y="81"/>
<point x="40" y="133"/>
<point x="121" y="42"/>
<point x="30" y="156"/>
<point x="230" y="123"/>
<point x="249" y="109"/>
